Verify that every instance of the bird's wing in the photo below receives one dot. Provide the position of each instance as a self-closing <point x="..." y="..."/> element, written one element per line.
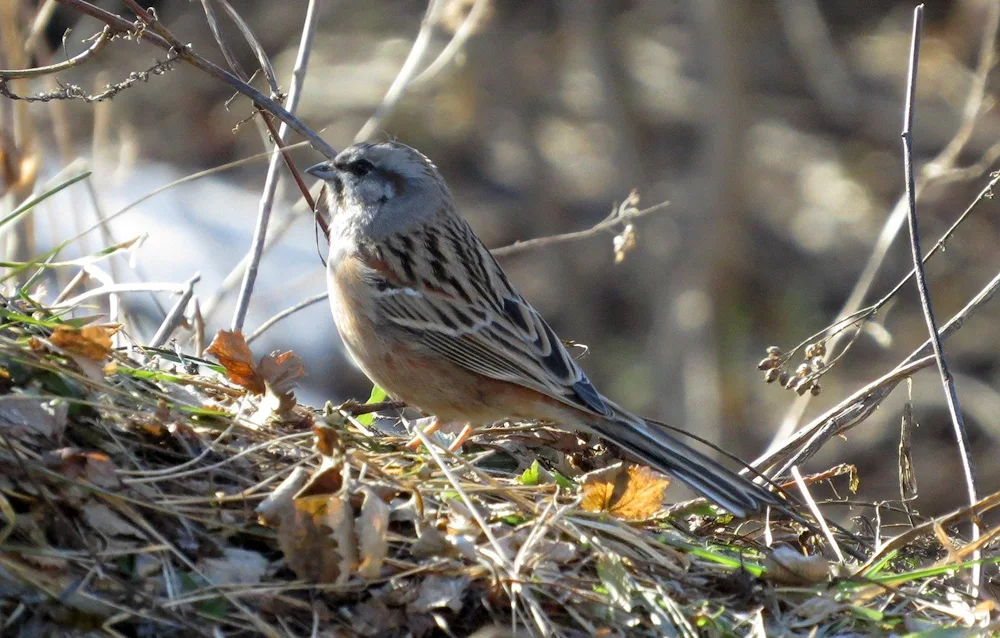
<point x="446" y="289"/>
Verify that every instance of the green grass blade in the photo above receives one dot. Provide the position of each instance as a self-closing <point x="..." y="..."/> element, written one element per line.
<point x="34" y="201"/>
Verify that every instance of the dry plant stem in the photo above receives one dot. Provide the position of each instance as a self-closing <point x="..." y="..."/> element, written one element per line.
<point x="973" y="512"/>
<point x="305" y="303"/>
<point x="32" y="44"/>
<point x="258" y="49"/>
<point x="176" y="314"/>
<point x="406" y="73"/>
<point x="114" y="289"/>
<point x="818" y="515"/>
<point x="500" y="555"/>
<point x="121" y="26"/>
<point x="947" y="381"/>
<point x="852" y="410"/>
<point x="451" y="50"/>
<point x="271" y="181"/>
<point x="941" y="167"/>
<point x="235" y="275"/>
<point x="946" y="159"/>
<point x="617" y="218"/>
<point x="98" y="44"/>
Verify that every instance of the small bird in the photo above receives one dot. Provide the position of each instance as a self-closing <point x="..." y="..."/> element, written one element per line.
<point x="428" y="314"/>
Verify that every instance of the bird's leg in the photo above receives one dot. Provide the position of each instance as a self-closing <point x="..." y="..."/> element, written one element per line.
<point x="432" y="426"/>
<point x="462" y="437"/>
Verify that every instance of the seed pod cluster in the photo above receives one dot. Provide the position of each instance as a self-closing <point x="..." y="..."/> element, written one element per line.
<point x="805" y="377"/>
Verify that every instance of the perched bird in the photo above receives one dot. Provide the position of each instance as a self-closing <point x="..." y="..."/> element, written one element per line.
<point x="428" y="314"/>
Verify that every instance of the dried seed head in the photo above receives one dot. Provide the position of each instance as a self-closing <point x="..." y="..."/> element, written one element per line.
<point x="783" y="378"/>
<point x="803" y="370"/>
<point x="819" y="348"/>
<point x="794" y="383"/>
<point x="773" y="351"/>
<point x="817" y="363"/>
<point x="768" y="363"/>
<point x="815" y="390"/>
<point x="803" y="387"/>
<point x="810" y="351"/>
<point x="771" y="375"/>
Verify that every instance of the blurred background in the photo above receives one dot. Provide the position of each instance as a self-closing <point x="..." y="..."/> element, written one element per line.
<point x="772" y="127"/>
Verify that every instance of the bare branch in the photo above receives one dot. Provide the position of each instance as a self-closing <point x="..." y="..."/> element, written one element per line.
<point x="75" y="92"/>
<point x="618" y="217"/>
<point x="102" y="39"/>
<point x="406" y="73"/>
<point x="121" y="26"/>
<point x="947" y="381"/>
<point x="176" y="314"/>
<point x="458" y="40"/>
<point x="271" y="181"/>
<point x="287" y="312"/>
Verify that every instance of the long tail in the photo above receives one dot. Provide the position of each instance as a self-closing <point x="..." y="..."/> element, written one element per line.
<point x="736" y="494"/>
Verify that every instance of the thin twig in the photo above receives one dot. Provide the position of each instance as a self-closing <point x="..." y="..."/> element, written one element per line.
<point x="75" y="92"/>
<point x="258" y="48"/>
<point x="114" y="289"/>
<point x="406" y="73"/>
<point x="947" y="381"/>
<point x="102" y="39"/>
<point x="817" y="514"/>
<point x="176" y="314"/>
<point x="124" y="27"/>
<point x="305" y="303"/>
<point x="852" y="410"/>
<point x="462" y="34"/>
<point x="271" y="181"/>
<point x="617" y="218"/>
<point x="940" y="167"/>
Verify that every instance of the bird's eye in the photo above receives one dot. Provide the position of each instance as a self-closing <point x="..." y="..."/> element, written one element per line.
<point x="361" y="167"/>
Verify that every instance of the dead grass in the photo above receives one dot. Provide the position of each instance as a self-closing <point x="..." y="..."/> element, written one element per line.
<point x="146" y="494"/>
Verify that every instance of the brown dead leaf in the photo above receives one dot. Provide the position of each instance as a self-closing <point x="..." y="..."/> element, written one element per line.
<point x="90" y="342"/>
<point x="317" y="538"/>
<point x="236" y="567"/>
<point x="93" y="467"/>
<point x="373" y="534"/>
<point x="277" y="373"/>
<point x="440" y="591"/>
<point x="281" y="371"/>
<point x="632" y="495"/>
<point x="232" y="351"/>
<point x="786" y="566"/>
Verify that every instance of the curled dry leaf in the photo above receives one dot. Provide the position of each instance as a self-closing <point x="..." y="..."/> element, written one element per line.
<point x="90" y="342"/>
<point x="440" y="591"/>
<point x="88" y="347"/>
<point x="373" y="531"/>
<point x="281" y="371"/>
<point x="786" y="566"/>
<point x="94" y="467"/>
<point x="323" y="538"/>
<point x="317" y="537"/>
<point x="278" y="371"/>
<point x="232" y="351"/>
<point x="236" y="567"/>
<point x="634" y="494"/>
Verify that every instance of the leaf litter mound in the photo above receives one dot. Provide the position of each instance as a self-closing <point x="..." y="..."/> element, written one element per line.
<point x="144" y="492"/>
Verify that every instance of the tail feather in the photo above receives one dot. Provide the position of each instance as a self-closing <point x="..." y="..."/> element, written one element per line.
<point x="736" y="494"/>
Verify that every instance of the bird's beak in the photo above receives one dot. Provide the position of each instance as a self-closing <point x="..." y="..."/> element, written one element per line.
<point x="322" y="170"/>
